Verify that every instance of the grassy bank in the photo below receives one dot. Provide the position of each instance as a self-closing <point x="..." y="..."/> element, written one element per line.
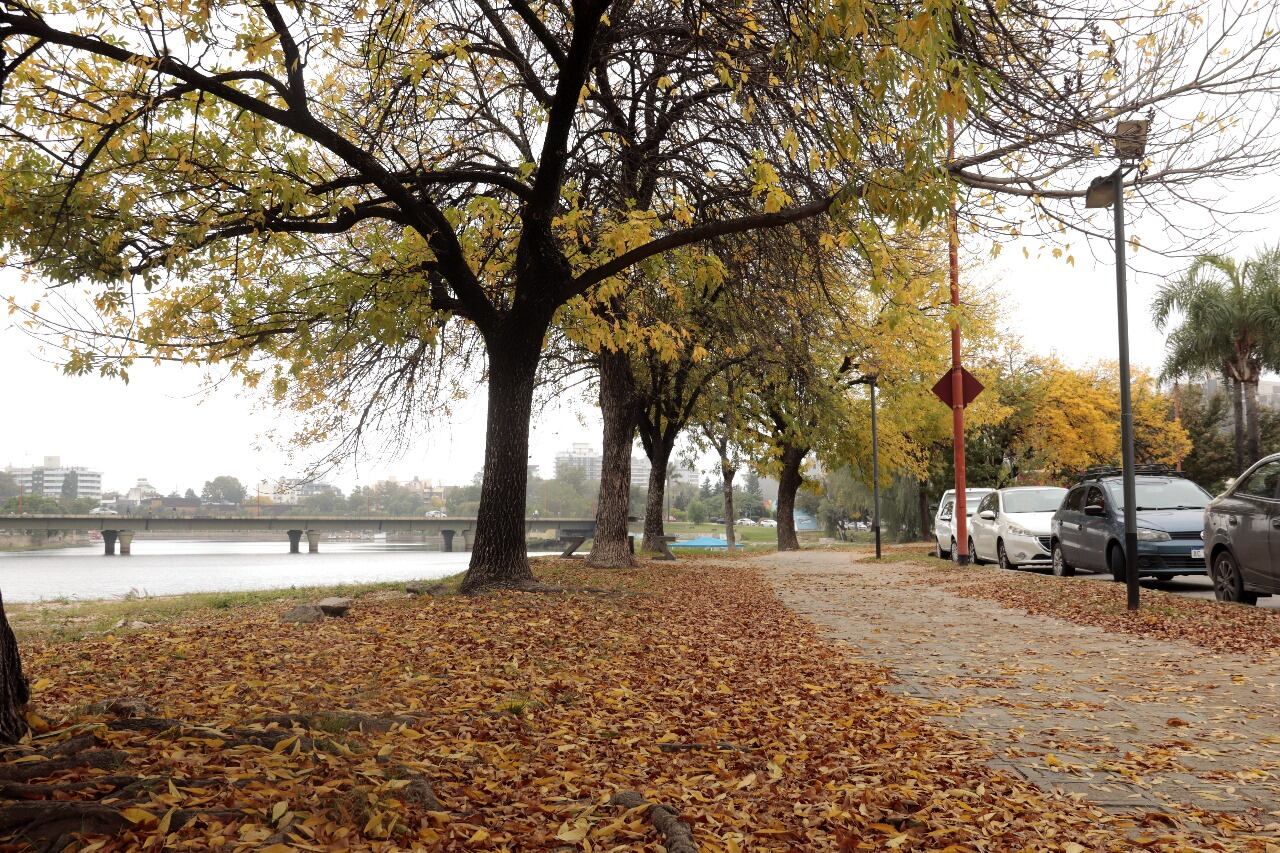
<point x="62" y="620"/>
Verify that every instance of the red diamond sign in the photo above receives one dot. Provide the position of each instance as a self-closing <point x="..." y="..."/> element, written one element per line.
<point x="972" y="387"/>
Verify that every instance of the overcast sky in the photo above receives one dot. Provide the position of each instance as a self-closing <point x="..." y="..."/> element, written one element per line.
<point x="162" y="427"/>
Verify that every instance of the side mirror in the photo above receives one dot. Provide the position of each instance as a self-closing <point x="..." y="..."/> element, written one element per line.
<point x="987" y="515"/>
<point x="1095" y="511"/>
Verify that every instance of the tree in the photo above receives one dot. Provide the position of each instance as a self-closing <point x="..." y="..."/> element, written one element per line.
<point x="696" y="511"/>
<point x="1230" y="324"/>
<point x="341" y="202"/>
<point x="223" y="489"/>
<point x="1210" y="461"/>
<point x="191" y="495"/>
<point x="8" y="485"/>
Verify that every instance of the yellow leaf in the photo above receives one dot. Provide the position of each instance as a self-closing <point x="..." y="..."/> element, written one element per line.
<point x="40" y="684"/>
<point x="137" y="815"/>
<point x="480" y="835"/>
<point x="1072" y="847"/>
<point x="284" y="744"/>
<point x="278" y="810"/>
<point x="574" y="832"/>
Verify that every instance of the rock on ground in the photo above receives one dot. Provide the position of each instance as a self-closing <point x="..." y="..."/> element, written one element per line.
<point x="303" y="613"/>
<point x="334" y="606"/>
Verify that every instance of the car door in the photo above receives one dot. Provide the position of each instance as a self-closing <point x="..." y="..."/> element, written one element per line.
<point x="1094" y="531"/>
<point x="1250" y="512"/>
<point x="942" y="525"/>
<point x="984" y="530"/>
<point x="1069" y="518"/>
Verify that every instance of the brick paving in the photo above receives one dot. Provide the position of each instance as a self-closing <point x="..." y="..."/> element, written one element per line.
<point x="1129" y="723"/>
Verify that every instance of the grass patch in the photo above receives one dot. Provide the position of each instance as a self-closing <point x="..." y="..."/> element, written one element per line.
<point x="62" y="620"/>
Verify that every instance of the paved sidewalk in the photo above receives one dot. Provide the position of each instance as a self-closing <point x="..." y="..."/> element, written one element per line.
<point x="1127" y="722"/>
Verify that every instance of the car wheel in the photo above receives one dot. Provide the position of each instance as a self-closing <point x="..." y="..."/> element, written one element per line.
<point x="973" y="555"/>
<point x="1116" y="563"/>
<point x="1228" y="584"/>
<point x="955" y="552"/>
<point x="1061" y="568"/>
<point x="939" y="553"/>
<point x="1002" y="556"/>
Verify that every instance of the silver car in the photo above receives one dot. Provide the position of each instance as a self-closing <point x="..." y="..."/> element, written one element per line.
<point x="1013" y="527"/>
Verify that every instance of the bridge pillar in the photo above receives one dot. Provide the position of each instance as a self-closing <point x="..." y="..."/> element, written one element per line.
<point x="313" y="541"/>
<point x="126" y="541"/>
<point x="108" y="543"/>
<point x="448" y="539"/>
<point x="295" y="539"/>
<point x="466" y="534"/>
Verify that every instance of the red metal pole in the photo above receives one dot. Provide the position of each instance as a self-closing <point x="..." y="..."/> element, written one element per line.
<point x="957" y="377"/>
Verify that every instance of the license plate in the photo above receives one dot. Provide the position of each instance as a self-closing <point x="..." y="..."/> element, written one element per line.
<point x="1197" y="553"/>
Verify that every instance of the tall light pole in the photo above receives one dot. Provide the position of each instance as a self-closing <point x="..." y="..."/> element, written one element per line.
<point x="870" y="381"/>
<point x="1108" y="191"/>
<point x="957" y="369"/>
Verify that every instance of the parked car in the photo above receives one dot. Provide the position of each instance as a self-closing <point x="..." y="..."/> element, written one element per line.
<point x="437" y="513"/>
<point x="1242" y="535"/>
<point x="103" y="510"/>
<point x="1088" y="529"/>
<point x="767" y="522"/>
<point x="944" y="521"/>
<point x="745" y="522"/>
<point x="1012" y="526"/>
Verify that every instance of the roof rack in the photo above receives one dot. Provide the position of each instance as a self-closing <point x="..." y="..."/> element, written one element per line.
<point x="1100" y="471"/>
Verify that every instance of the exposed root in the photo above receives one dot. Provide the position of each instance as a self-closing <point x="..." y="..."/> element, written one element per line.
<point x="676" y="835"/>
<point x="52" y="824"/>
<point x="100" y="759"/>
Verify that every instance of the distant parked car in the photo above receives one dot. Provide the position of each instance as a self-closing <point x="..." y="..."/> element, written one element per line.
<point x="1088" y="529"/>
<point x="767" y="522"/>
<point x="103" y="510"/>
<point x="944" y="520"/>
<point x="437" y="513"/>
<point x="1242" y="535"/>
<point x="745" y="522"/>
<point x="1013" y="526"/>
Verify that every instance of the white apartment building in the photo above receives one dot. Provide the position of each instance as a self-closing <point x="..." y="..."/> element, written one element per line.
<point x="54" y="480"/>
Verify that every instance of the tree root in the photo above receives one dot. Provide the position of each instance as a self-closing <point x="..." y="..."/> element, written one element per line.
<point x="51" y="824"/>
<point x="677" y="837"/>
<point x="100" y="759"/>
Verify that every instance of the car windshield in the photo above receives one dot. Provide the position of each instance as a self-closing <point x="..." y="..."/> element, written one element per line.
<point x="1162" y="494"/>
<point x="1033" y="500"/>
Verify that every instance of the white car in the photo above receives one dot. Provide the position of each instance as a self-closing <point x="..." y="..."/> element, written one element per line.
<point x="103" y="510"/>
<point x="1013" y="527"/>
<point x="745" y="522"/>
<point x="767" y="522"/>
<point x="944" y="530"/>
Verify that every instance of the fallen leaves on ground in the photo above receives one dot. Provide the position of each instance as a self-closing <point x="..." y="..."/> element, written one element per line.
<point x="508" y="721"/>
<point x="1163" y="615"/>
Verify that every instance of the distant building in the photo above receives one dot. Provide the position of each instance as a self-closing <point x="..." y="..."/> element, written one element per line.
<point x="1268" y="390"/>
<point x="582" y="457"/>
<point x="55" y="481"/>
<point x="640" y="468"/>
<point x="290" y="491"/>
<point x="426" y="488"/>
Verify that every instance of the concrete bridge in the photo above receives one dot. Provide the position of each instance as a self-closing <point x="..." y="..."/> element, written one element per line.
<point x="570" y="532"/>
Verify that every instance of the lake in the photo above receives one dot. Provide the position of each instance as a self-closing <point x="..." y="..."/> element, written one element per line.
<point x="175" y="566"/>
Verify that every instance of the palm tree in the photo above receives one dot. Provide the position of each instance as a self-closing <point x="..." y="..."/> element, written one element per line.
<point x="1230" y="325"/>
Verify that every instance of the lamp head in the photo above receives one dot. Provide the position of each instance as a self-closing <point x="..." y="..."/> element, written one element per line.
<point x="1101" y="192"/>
<point x="1130" y="139"/>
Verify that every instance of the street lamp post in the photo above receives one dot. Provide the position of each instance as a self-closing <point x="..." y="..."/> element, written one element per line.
<point x="1108" y="191"/>
<point x="870" y="381"/>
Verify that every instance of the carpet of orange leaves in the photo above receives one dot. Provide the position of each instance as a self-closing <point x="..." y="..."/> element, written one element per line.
<point x="526" y="711"/>
<point x="1162" y="615"/>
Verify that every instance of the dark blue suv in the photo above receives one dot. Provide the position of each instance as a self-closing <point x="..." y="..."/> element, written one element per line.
<point x="1088" y="529"/>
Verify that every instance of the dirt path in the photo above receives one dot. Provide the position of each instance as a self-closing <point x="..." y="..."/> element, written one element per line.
<point x="1127" y="722"/>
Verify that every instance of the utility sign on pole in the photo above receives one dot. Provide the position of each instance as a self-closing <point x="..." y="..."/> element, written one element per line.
<point x="970" y="387"/>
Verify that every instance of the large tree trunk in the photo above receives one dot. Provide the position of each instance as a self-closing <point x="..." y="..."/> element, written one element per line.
<point x="789" y="482"/>
<point x="499" y="557"/>
<point x="618" y="408"/>
<point x="727" y="473"/>
<point x="1237" y="404"/>
<point x="653" y="512"/>
<point x="1253" y="434"/>
<point x="13" y="684"/>
<point x="922" y="489"/>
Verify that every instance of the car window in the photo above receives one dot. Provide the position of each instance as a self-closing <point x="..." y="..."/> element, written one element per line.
<point x="1094" y="497"/>
<point x="1262" y="482"/>
<point x="945" y="512"/>
<point x="988" y="503"/>
<point x="1161" y="493"/>
<point x="1075" y="499"/>
<point x="1034" y="500"/>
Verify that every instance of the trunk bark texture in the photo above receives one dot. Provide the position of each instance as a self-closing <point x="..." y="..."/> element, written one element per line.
<point x="14" y="693"/>
<point x="727" y="473"/>
<point x="1237" y="404"/>
<point x="1253" y="429"/>
<point x="618" y="407"/>
<point x="922" y="487"/>
<point x="499" y="557"/>
<point x="789" y="482"/>
<point x="653" y="514"/>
